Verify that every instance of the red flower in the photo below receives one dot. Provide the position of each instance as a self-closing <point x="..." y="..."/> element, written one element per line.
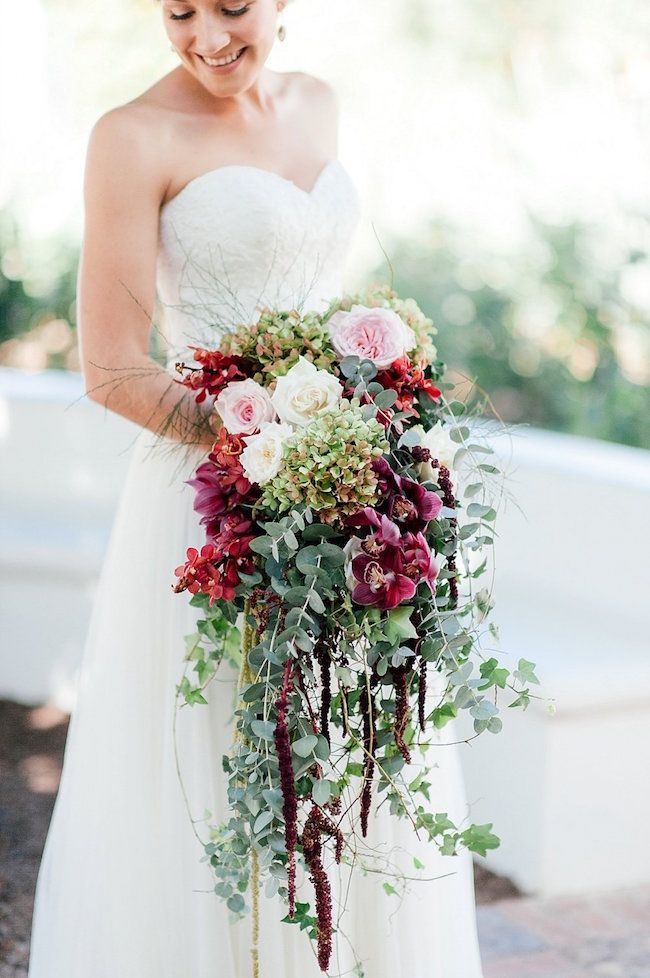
<point x="199" y="571"/>
<point x="406" y="378"/>
<point x="216" y="371"/>
<point x="216" y="570"/>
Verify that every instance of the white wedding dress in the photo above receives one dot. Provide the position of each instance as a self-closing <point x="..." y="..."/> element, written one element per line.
<point x="122" y="891"/>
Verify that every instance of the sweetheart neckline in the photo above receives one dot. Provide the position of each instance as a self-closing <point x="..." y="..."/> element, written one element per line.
<point x="256" y="169"/>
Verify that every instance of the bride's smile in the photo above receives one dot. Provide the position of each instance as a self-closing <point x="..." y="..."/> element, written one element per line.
<point x="221" y="38"/>
<point x="225" y="64"/>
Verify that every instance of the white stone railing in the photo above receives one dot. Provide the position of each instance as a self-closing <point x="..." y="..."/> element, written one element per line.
<point x="568" y="794"/>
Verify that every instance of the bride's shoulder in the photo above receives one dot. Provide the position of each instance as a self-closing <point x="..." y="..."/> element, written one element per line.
<point x="142" y="125"/>
<point x="317" y="98"/>
<point x="128" y="144"/>
<point x="141" y="116"/>
<point x="314" y="87"/>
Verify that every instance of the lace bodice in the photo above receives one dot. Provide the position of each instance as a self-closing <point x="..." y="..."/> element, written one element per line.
<point x="239" y="238"/>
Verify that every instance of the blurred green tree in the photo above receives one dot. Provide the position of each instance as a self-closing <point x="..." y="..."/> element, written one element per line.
<point x="550" y="334"/>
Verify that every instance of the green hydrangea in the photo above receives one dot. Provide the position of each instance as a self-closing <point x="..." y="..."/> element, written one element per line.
<point x="380" y="295"/>
<point x="327" y="465"/>
<point x="277" y="339"/>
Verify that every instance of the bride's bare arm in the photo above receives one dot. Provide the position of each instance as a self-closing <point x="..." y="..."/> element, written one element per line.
<point x="116" y="285"/>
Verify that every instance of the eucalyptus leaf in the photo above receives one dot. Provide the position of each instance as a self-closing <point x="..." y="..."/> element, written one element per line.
<point x="322" y="748"/>
<point x="468" y="530"/>
<point x="254" y="692"/>
<point x="483" y="512"/>
<point x="236" y="903"/>
<point x="463" y="698"/>
<point x="484" y="710"/>
<point x="298" y="519"/>
<point x="459" y="434"/>
<point x="473" y="489"/>
<point x="349" y="366"/>
<point x="409" y="438"/>
<point x="321" y="791"/>
<point x="318" y="531"/>
<point x="316" y="602"/>
<point x="304" y="746"/>
<point x="263" y="819"/>
<point x="386" y="398"/>
<point x="296" y="595"/>
<point x="331" y="554"/>
<point x="261" y="545"/>
<point x="479" y="448"/>
<point x="263" y="729"/>
<point x="457" y="408"/>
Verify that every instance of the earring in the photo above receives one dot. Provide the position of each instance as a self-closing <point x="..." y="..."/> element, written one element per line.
<point x="282" y="32"/>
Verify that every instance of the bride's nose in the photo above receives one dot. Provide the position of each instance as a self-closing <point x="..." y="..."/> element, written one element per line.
<point x="210" y="40"/>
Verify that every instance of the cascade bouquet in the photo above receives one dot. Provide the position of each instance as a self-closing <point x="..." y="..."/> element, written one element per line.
<point x="347" y="512"/>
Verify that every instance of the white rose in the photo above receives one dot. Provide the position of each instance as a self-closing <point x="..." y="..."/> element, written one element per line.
<point x="441" y="446"/>
<point x="243" y="405"/>
<point x="262" y="457"/>
<point x="304" y="391"/>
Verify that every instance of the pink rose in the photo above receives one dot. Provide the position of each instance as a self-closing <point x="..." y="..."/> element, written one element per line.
<point x="243" y="405"/>
<point x="373" y="334"/>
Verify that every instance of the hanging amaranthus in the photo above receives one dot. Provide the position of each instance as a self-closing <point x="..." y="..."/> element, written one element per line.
<point x="369" y="736"/>
<point x="312" y="849"/>
<point x="290" y="803"/>
<point x="400" y="677"/>
<point x="449" y="500"/>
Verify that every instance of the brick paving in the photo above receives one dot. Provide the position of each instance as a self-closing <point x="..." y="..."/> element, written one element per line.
<point x="597" y="936"/>
<point x="600" y="936"/>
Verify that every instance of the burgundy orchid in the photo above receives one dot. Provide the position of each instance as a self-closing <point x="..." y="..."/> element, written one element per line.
<point x="220" y="483"/>
<point x="391" y="564"/>
<point x="414" y="506"/>
<point x="419" y="562"/>
<point x="382" y="583"/>
<point x="406" y="502"/>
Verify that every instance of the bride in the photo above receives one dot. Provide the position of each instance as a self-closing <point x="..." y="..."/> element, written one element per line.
<point x="218" y="191"/>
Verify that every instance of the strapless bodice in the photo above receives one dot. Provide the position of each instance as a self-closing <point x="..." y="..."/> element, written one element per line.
<point x="239" y="238"/>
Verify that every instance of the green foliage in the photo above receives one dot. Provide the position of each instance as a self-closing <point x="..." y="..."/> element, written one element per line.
<point x="37" y="298"/>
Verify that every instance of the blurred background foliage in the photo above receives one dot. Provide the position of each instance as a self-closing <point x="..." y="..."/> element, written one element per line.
<point x="522" y="229"/>
<point x="555" y="340"/>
